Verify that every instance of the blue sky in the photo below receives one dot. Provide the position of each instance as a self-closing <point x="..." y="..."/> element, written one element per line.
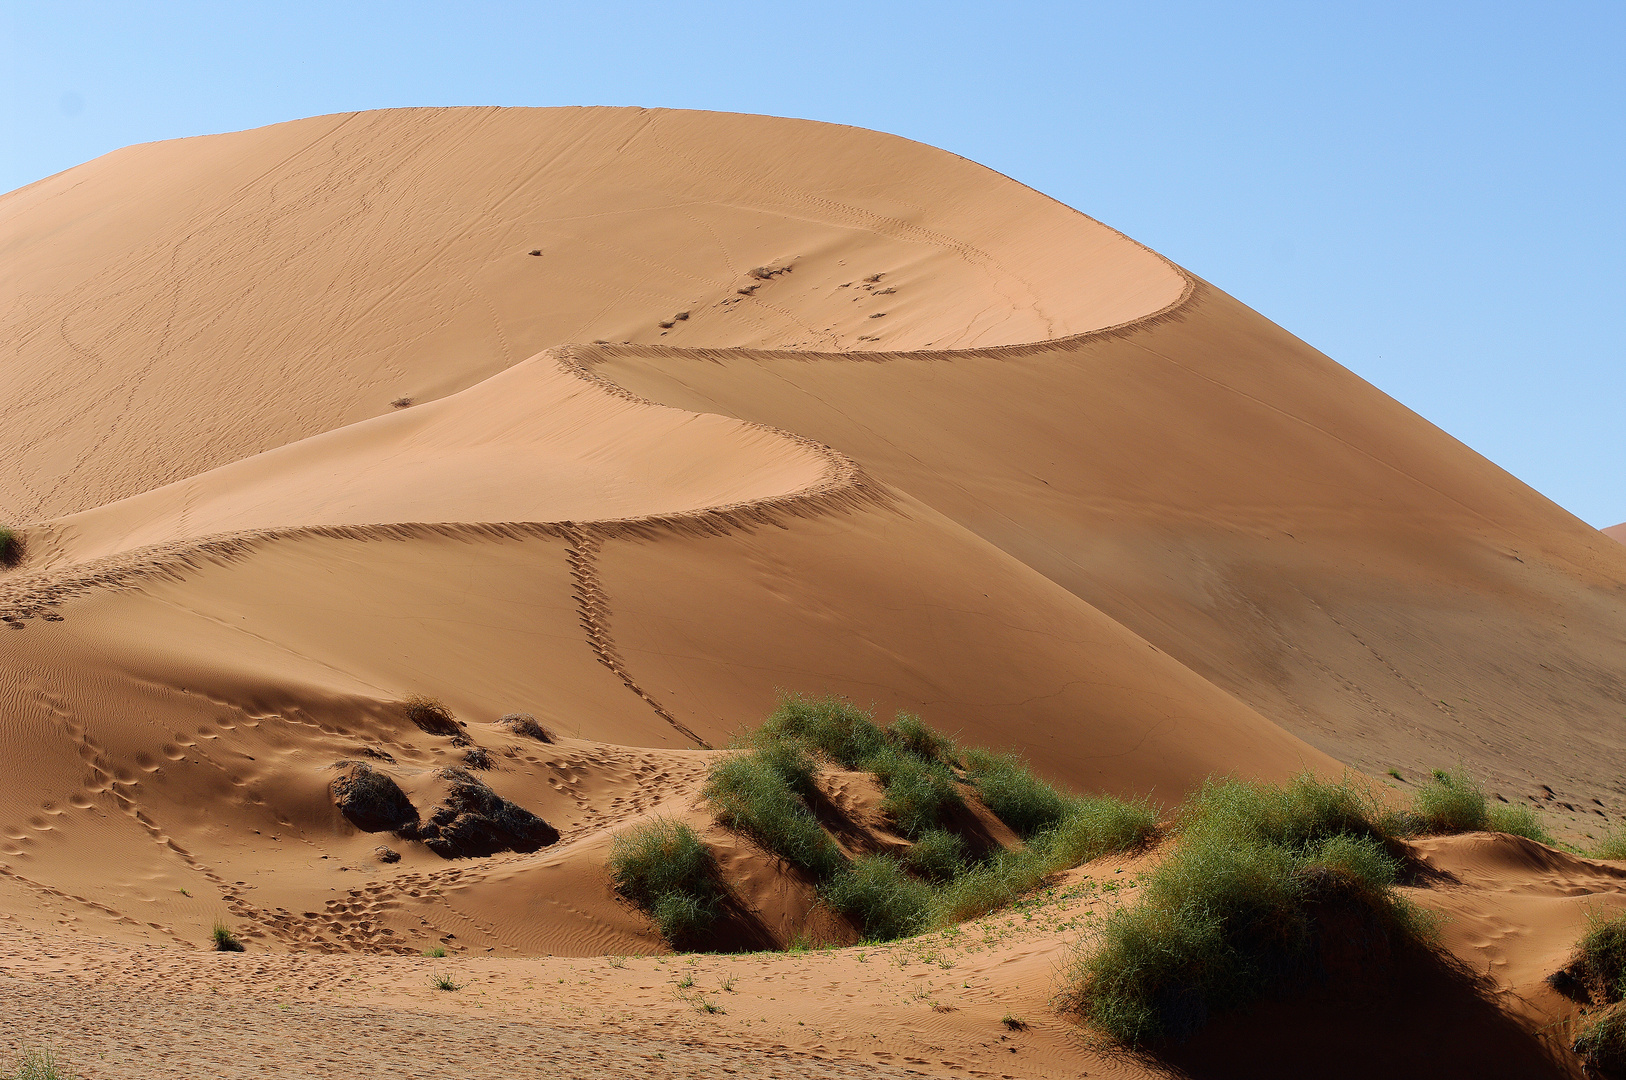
<point x="1430" y="193"/>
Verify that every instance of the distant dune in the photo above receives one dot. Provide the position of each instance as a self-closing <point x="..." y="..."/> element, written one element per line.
<point x="1617" y="531"/>
<point x="630" y="420"/>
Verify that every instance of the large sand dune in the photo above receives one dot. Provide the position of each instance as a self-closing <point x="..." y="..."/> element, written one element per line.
<point x="632" y="419"/>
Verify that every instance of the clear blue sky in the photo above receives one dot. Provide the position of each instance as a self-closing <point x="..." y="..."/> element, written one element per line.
<point x="1432" y="194"/>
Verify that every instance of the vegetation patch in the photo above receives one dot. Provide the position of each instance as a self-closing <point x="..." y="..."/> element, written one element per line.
<point x="1597" y="972"/>
<point x="38" y="1063"/>
<point x="1596" y="975"/>
<point x="1262" y="879"/>
<point x="765" y="789"/>
<point x="11" y="547"/>
<point x="666" y="870"/>
<point x="1452" y="802"/>
<point x="224" y="939"/>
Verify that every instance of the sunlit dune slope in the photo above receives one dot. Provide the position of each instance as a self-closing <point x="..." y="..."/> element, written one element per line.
<point x="1618" y="532"/>
<point x="177" y="306"/>
<point x="297" y="427"/>
<point x="1272" y="521"/>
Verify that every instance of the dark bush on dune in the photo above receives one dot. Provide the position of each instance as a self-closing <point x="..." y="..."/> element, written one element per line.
<point x="523" y="724"/>
<point x="432" y="717"/>
<point x="1597" y="972"/>
<point x="11" y="547"/>
<point x="665" y="869"/>
<point x="475" y="821"/>
<point x="371" y="800"/>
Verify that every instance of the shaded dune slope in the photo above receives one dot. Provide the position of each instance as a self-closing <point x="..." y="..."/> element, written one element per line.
<point x="1058" y="496"/>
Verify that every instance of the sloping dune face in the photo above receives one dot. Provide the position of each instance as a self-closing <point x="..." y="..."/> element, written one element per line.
<point x="630" y="421"/>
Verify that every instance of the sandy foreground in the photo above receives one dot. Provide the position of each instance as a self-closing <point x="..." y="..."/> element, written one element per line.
<point x="977" y="1000"/>
<point x="630" y="420"/>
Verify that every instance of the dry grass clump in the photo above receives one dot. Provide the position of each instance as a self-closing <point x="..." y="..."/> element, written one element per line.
<point x="432" y="716"/>
<point x="664" y="868"/>
<point x="1243" y="907"/>
<point x="11" y="547"/>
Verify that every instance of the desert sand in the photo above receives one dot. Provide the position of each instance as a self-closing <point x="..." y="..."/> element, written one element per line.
<point x="630" y="420"/>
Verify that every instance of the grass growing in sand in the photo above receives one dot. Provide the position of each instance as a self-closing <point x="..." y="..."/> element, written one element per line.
<point x="665" y="869"/>
<point x="1596" y="974"/>
<point x="224" y="939"/>
<point x="1612" y="846"/>
<point x="445" y="982"/>
<point x="11" y="547"/>
<point x="1452" y="802"/>
<point x="765" y="789"/>
<point x="1243" y="905"/>
<point x="38" y="1064"/>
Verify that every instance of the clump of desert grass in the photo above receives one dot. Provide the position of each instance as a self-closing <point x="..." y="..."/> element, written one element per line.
<point x="11" y="547"/>
<point x="224" y="940"/>
<point x="1596" y="975"/>
<point x="665" y="869"/>
<point x="765" y="789"/>
<point x="1612" y="846"/>
<point x="38" y="1063"/>
<point x="1245" y="905"/>
<point x="432" y="716"/>
<point x="1453" y="802"/>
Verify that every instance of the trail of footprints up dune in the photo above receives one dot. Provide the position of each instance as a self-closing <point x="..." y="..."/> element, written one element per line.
<point x="629" y="420"/>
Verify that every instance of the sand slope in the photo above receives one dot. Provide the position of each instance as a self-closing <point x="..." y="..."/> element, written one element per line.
<point x="296" y="426"/>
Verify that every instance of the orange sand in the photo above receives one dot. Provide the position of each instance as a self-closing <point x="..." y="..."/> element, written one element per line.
<point x="297" y="425"/>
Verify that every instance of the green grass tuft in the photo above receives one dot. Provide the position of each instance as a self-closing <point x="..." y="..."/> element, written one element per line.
<point x="1239" y="909"/>
<point x="224" y="939"/>
<point x="1612" y="846"/>
<point x="752" y="794"/>
<point x="444" y="982"/>
<point x="1450" y="802"/>
<point x="910" y="734"/>
<point x="918" y="793"/>
<point x="38" y="1063"/>
<point x="664" y="868"/>
<point x="11" y="547"/>
<point x="936" y="855"/>
<point x="1017" y="797"/>
<point x="990" y="885"/>
<point x="1516" y="819"/>
<point x="1602" y="1041"/>
<point x="832" y="726"/>
<point x="880" y="898"/>
<point x="436" y="953"/>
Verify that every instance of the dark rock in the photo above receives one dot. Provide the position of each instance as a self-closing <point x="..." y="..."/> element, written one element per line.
<point x="521" y="723"/>
<point x="475" y="821"/>
<point x="370" y="799"/>
<point x="387" y="854"/>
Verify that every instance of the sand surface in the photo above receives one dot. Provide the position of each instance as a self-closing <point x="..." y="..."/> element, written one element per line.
<point x="631" y="420"/>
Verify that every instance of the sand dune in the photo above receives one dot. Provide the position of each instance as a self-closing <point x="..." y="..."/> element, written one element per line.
<point x="630" y="420"/>
<point x="1617" y="531"/>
